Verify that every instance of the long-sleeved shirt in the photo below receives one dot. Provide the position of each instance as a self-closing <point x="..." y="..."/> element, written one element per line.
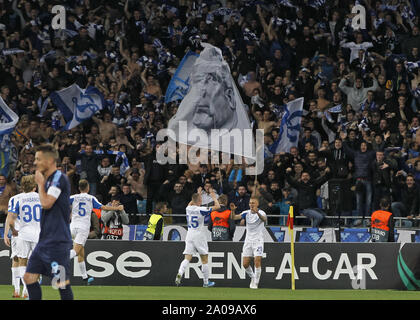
<point x="355" y="48"/>
<point x="355" y="96"/>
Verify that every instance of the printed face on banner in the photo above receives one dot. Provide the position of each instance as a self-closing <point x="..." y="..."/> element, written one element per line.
<point x="214" y="100"/>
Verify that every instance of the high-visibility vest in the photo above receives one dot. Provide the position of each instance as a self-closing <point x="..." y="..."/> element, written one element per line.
<point x="380" y="226"/>
<point x="151" y="227"/>
<point x="220" y="221"/>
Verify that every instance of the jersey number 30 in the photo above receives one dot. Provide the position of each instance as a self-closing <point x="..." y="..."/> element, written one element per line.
<point x="30" y="212"/>
<point x="192" y="221"/>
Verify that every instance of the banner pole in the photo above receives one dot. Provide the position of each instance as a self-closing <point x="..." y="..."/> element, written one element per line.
<point x="292" y="250"/>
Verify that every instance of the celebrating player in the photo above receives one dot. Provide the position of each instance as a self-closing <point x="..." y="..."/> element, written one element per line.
<point x="10" y="224"/>
<point x="82" y="205"/>
<point x="27" y="208"/>
<point x="52" y="251"/>
<point x="196" y="241"/>
<point x="254" y="239"/>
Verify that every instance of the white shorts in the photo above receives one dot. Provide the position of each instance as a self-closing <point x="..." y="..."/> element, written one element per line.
<point x="196" y="246"/>
<point x="13" y="247"/>
<point x="79" y="235"/>
<point x="24" y="248"/>
<point x="253" y="249"/>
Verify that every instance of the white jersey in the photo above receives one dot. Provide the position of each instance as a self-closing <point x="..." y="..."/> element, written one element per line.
<point x="11" y="208"/>
<point x="82" y="205"/>
<point x="254" y="225"/>
<point x="28" y="209"/>
<point x="196" y="219"/>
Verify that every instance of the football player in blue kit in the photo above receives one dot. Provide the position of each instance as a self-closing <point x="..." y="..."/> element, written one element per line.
<point x="51" y="254"/>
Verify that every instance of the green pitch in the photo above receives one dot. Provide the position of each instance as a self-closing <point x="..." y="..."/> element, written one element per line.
<point x="198" y="293"/>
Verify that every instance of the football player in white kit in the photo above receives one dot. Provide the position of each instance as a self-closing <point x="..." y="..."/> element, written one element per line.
<point x="196" y="240"/>
<point x="254" y="219"/>
<point x="13" y="224"/>
<point x="81" y="207"/>
<point x="27" y="209"/>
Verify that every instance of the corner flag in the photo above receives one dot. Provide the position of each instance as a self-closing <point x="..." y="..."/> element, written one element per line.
<point x="292" y="244"/>
<point x="290" y="219"/>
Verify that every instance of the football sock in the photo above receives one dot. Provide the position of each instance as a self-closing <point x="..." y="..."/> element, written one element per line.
<point x="22" y="273"/>
<point x="34" y="291"/>
<point x="82" y="267"/>
<point x="66" y="293"/>
<point x="16" y="279"/>
<point x="205" y="270"/>
<point x="249" y="272"/>
<point x="257" y="275"/>
<point x="182" y="267"/>
<point x="72" y="254"/>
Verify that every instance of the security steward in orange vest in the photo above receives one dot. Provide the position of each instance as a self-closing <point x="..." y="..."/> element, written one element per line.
<point x="382" y="223"/>
<point x="222" y="227"/>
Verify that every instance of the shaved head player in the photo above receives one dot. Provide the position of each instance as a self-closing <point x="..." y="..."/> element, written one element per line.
<point x="52" y="251"/>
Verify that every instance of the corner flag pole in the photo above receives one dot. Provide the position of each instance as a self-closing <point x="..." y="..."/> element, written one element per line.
<point x="292" y="244"/>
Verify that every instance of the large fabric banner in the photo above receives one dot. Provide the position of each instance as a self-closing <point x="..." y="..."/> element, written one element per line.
<point x="77" y="105"/>
<point x="212" y="103"/>
<point x="8" y="121"/>
<point x="289" y="127"/>
<point x="180" y="83"/>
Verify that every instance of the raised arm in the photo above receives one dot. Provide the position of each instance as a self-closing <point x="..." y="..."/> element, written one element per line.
<point x="216" y="205"/>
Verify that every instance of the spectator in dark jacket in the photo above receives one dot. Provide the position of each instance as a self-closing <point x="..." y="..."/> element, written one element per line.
<point x="381" y="179"/>
<point x="89" y="168"/>
<point x="240" y="198"/>
<point x="362" y="173"/>
<point x="409" y="205"/>
<point x="129" y="200"/>
<point x="154" y="177"/>
<point x="306" y="200"/>
<point x="178" y="199"/>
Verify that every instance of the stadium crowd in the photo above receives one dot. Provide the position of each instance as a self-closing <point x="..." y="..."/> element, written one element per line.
<point x="360" y="87"/>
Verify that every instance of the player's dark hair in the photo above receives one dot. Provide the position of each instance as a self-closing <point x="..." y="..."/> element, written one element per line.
<point x="49" y="150"/>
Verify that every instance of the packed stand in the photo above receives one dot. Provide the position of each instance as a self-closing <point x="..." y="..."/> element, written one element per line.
<point x="361" y="93"/>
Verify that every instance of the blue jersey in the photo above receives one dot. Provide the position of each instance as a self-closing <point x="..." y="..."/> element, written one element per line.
<point x="55" y="222"/>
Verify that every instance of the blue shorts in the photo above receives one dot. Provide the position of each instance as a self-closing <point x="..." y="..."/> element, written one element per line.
<point x="41" y="259"/>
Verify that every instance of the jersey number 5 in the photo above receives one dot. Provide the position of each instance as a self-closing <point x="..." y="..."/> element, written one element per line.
<point x="82" y="211"/>
<point x="192" y="222"/>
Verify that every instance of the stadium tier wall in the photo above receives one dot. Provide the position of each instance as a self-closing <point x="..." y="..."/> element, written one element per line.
<point x="317" y="265"/>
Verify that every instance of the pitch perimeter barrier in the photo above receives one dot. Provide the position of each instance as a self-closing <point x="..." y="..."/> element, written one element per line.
<point x="318" y="265"/>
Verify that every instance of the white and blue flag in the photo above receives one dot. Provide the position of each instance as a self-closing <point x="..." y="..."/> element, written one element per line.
<point x="180" y="83"/>
<point x="8" y="121"/>
<point x="77" y="105"/>
<point x="289" y="127"/>
<point x="6" y="52"/>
